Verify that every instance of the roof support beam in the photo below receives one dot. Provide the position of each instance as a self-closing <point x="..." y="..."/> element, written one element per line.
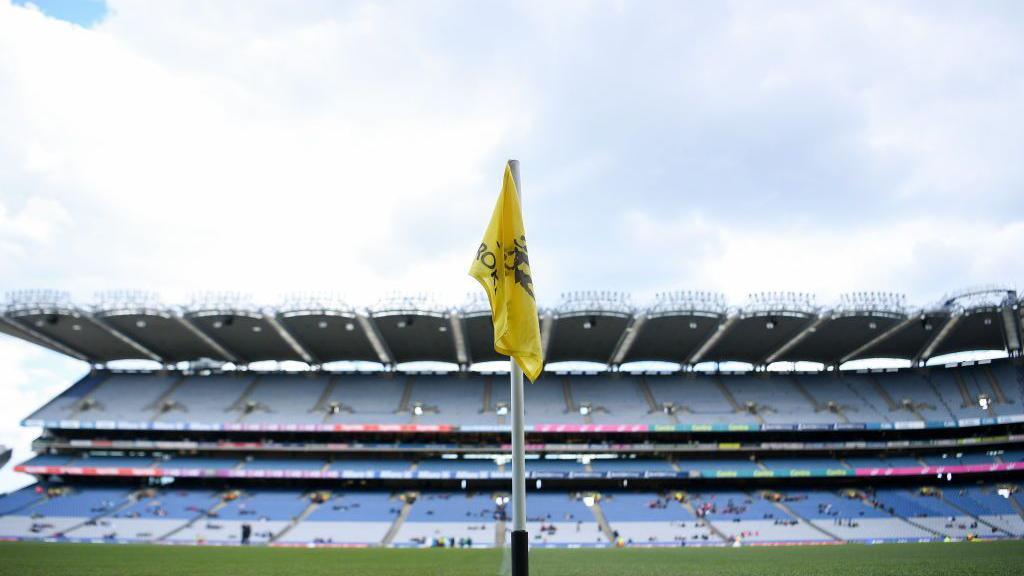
<point x="376" y="340"/>
<point x="1011" y="326"/>
<point x="626" y="340"/>
<point x="46" y="340"/>
<point x="459" y="339"/>
<point x="224" y="353"/>
<point x="287" y="336"/>
<point x="712" y="340"/>
<point x="547" y="327"/>
<point x="149" y="354"/>
<point x="877" y="340"/>
<point x="937" y="339"/>
<point x="799" y="337"/>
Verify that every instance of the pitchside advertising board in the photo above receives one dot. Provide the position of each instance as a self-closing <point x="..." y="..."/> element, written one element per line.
<point x="536" y="428"/>
<point x="371" y="474"/>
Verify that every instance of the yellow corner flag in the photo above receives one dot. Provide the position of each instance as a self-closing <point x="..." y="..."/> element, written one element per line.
<point x="502" y="266"/>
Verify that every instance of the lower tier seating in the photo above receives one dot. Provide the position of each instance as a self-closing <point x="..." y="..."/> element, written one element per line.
<point x="555" y="518"/>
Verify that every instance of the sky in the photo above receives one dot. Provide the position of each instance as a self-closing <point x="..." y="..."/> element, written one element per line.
<point x="357" y="148"/>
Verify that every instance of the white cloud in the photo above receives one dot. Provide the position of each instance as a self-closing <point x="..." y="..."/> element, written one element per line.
<point x="37" y="222"/>
<point x="914" y="256"/>
<point x="357" y="147"/>
<point x="31" y="377"/>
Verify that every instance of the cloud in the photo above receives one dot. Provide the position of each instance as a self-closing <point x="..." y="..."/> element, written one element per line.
<point x="267" y="151"/>
<point x="357" y="147"/>
<point x="31" y="377"/>
<point x="37" y="222"/>
<point x="914" y="256"/>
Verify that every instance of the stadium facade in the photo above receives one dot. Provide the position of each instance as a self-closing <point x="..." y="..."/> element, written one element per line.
<point x="203" y="444"/>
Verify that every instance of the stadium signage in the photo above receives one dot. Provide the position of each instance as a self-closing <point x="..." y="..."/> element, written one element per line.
<point x="370" y="474"/>
<point x="537" y="428"/>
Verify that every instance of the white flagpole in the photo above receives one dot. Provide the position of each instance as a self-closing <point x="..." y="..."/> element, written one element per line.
<point x="520" y="539"/>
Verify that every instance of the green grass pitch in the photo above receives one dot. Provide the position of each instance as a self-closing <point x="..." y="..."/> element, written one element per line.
<point x="981" y="558"/>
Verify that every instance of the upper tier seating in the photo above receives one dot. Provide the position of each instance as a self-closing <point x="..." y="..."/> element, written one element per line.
<point x="367" y="399"/>
<point x="277" y="395"/>
<point x="447" y="399"/>
<point x="615" y="399"/>
<point x="850" y="394"/>
<point x="776" y="399"/>
<point x="204" y="399"/>
<point x="254" y="399"/>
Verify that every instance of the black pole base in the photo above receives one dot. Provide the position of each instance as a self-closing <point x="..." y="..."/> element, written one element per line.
<point x="520" y="553"/>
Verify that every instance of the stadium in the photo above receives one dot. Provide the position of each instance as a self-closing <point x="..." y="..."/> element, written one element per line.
<point x="627" y="456"/>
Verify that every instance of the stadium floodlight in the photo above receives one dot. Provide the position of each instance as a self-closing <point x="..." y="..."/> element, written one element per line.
<point x="476" y="304"/>
<point x="780" y="303"/>
<point x="890" y="304"/>
<point x="688" y="302"/>
<point x="399" y="304"/>
<point x="128" y="301"/>
<point x="43" y="301"/>
<point x="594" y="302"/>
<point x="326" y="303"/>
<point x="222" y="301"/>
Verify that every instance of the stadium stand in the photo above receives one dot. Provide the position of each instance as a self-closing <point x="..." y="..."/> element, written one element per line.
<point x="742" y="517"/>
<point x="347" y="518"/>
<point x="191" y="452"/>
<point x="152" y="515"/>
<point x="849" y="518"/>
<point x="466" y="520"/>
<point x="561" y="520"/>
<point x="648" y="518"/>
<point x="274" y="400"/>
<point x="268" y="512"/>
<point x="985" y="503"/>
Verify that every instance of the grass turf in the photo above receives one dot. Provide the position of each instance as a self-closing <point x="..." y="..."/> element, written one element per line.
<point x="995" y="558"/>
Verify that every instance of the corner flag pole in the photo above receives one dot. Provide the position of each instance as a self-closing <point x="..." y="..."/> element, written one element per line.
<point x="520" y="540"/>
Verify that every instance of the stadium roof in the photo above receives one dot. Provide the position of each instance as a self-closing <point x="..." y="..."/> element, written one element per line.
<point x="605" y="327"/>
